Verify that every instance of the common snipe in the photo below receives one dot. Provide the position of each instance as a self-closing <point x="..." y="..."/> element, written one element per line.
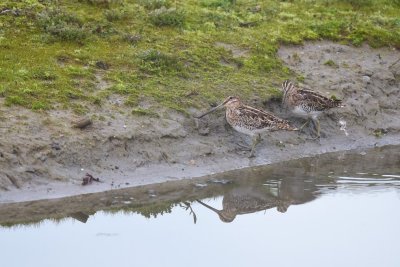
<point x="249" y="120"/>
<point x="307" y="103"/>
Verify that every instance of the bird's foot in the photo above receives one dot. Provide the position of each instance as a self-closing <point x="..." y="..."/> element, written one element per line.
<point x="318" y="137"/>
<point x="251" y="155"/>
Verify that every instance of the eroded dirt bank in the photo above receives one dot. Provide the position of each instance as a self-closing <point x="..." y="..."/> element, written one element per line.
<point x="41" y="156"/>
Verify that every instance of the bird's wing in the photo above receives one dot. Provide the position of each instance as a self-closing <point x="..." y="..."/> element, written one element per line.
<point x="316" y="100"/>
<point x="259" y="118"/>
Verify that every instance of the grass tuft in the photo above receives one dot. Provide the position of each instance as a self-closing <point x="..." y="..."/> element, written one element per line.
<point x="62" y="25"/>
<point x="167" y="17"/>
<point x="154" y="61"/>
<point x="144" y="112"/>
<point x="155" y="4"/>
<point x="331" y="63"/>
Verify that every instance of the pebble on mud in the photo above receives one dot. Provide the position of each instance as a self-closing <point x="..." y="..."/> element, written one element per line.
<point x="82" y="123"/>
<point x="366" y="78"/>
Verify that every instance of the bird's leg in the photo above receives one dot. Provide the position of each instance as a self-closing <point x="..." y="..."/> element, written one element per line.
<point x="317" y="128"/>
<point x="256" y="140"/>
<point x="243" y="146"/>
<point x="304" y="124"/>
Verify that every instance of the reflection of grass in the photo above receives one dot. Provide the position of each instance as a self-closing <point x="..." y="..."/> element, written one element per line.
<point x="148" y="211"/>
<point x="162" y="49"/>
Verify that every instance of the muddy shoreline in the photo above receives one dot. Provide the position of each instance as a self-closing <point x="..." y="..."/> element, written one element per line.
<point x="299" y="180"/>
<point x="43" y="157"/>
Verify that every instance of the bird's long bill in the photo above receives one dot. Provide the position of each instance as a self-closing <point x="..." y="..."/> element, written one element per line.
<point x="209" y="207"/>
<point x="211" y="110"/>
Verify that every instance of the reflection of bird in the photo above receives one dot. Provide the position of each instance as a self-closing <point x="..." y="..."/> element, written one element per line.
<point x="307" y="103"/>
<point x="244" y="200"/>
<point x="249" y="120"/>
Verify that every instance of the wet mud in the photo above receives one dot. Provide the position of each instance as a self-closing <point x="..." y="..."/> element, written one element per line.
<point x="276" y="186"/>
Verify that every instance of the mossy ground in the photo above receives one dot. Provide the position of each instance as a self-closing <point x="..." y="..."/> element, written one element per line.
<point x="53" y="53"/>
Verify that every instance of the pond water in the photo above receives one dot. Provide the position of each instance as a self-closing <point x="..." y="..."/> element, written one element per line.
<point x="341" y="209"/>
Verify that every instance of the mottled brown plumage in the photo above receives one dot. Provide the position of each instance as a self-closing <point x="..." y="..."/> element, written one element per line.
<point x="307" y="103"/>
<point x="249" y="120"/>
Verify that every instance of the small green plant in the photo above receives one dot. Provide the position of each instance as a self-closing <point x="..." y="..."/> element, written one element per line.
<point x="44" y="75"/>
<point x="334" y="97"/>
<point x="379" y="132"/>
<point x="144" y="112"/>
<point x="154" y="4"/>
<point x="296" y="57"/>
<point x="354" y="3"/>
<point x="217" y="3"/>
<point x="300" y="78"/>
<point x="77" y="71"/>
<point x="102" y="3"/>
<point x="133" y="39"/>
<point x="2" y="91"/>
<point x="120" y="88"/>
<point x="167" y="17"/>
<point x="15" y="100"/>
<point x="40" y="105"/>
<point x="62" y="25"/>
<point x="280" y="144"/>
<point x="114" y="15"/>
<point x="330" y="29"/>
<point x="156" y="61"/>
<point x="331" y="63"/>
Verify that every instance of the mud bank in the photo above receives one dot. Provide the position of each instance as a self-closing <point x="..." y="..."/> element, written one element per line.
<point x="297" y="181"/>
<point x="42" y="156"/>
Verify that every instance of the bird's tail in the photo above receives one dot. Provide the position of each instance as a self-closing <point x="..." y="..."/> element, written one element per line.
<point x="288" y="127"/>
<point x="287" y="85"/>
<point x="337" y="103"/>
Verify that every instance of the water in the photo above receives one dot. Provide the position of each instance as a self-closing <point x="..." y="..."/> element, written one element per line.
<point x="334" y="210"/>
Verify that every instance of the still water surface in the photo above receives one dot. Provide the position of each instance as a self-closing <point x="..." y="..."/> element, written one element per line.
<point x="312" y="217"/>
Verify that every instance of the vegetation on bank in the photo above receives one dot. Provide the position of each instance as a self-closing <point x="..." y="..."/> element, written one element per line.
<point x="178" y="53"/>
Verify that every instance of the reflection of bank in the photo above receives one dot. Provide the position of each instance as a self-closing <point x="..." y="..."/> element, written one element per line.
<point x="249" y="199"/>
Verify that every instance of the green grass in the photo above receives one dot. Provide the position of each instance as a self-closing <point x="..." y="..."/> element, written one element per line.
<point x="165" y="50"/>
<point x="144" y="112"/>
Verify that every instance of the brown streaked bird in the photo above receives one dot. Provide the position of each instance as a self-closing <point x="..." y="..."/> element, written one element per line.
<point x="307" y="103"/>
<point x="249" y="120"/>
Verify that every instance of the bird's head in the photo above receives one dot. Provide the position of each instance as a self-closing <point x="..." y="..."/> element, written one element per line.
<point x="230" y="101"/>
